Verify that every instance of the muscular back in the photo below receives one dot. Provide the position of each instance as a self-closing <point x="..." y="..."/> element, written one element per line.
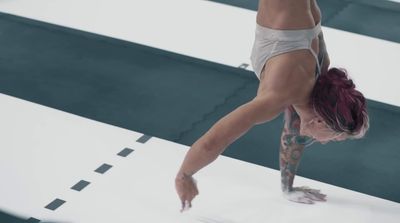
<point x="291" y="73"/>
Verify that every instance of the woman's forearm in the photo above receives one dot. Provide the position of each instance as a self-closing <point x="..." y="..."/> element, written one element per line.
<point x="290" y="155"/>
<point x="291" y="148"/>
<point x="224" y="132"/>
<point x="198" y="156"/>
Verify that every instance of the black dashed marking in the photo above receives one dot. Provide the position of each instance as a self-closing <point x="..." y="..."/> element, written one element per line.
<point x="80" y="185"/>
<point x="33" y="220"/>
<point x="103" y="168"/>
<point x="143" y="139"/>
<point x="83" y="184"/>
<point x="125" y="152"/>
<point x="55" y="204"/>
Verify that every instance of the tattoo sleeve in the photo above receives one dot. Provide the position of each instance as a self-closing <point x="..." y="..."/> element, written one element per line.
<point x="291" y="148"/>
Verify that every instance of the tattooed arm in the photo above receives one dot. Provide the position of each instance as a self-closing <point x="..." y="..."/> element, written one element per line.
<point x="291" y="150"/>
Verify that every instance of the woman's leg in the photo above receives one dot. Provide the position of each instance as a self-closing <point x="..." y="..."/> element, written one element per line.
<point x="316" y="12"/>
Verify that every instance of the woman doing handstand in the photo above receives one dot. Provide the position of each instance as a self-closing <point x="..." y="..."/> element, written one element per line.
<point x="289" y="58"/>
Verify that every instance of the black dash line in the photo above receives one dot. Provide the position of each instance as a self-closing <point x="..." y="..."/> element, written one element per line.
<point x="80" y="185"/>
<point x="125" y="152"/>
<point x="55" y="204"/>
<point x="144" y="138"/>
<point x="32" y="220"/>
<point x="103" y="168"/>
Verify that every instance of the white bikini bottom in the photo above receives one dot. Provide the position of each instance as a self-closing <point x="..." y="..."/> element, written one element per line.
<point x="271" y="42"/>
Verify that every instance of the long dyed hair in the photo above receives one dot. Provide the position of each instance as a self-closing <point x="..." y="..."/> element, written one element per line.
<point x="336" y="100"/>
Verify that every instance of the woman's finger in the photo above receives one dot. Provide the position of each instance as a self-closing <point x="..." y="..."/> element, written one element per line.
<point x="317" y="196"/>
<point x="183" y="205"/>
<point x="186" y="206"/>
<point x="313" y="196"/>
<point x="321" y="196"/>
<point x="183" y="202"/>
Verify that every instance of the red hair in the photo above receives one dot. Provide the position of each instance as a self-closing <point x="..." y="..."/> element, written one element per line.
<point x="336" y="100"/>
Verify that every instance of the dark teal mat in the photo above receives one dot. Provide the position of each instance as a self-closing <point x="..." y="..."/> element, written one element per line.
<point x="384" y="24"/>
<point x="376" y="18"/>
<point x="178" y="98"/>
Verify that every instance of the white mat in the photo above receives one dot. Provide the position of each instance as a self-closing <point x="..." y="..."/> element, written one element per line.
<point x="44" y="152"/>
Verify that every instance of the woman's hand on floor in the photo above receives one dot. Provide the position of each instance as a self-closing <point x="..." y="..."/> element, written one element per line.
<point x="305" y="195"/>
<point x="186" y="187"/>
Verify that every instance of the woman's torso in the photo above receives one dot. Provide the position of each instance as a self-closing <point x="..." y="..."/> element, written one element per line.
<point x="285" y="14"/>
<point x="293" y="71"/>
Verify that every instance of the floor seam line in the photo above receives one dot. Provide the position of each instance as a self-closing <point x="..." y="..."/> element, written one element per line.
<point x="213" y="110"/>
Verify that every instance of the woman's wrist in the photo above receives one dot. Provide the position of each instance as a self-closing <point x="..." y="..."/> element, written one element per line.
<point x="182" y="176"/>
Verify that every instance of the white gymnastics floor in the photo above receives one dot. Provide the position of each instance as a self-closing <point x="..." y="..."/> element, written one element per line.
<point x="47" y="151"/>
<point x="44" y="152"/>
